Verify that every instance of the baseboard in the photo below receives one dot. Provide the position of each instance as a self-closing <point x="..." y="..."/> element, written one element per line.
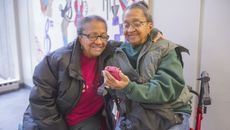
<point x="9" y="87"/>
<point x="23" y="85"/>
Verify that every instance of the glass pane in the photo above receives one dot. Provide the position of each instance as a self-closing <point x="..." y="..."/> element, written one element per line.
<point x="8" y="47"/>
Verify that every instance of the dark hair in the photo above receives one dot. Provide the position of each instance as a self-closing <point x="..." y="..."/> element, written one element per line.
<point x="144" y="7"/>
<point x="87" y="19"/>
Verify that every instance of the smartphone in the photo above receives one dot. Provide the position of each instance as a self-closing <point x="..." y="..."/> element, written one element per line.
<point x="114" y="71"/>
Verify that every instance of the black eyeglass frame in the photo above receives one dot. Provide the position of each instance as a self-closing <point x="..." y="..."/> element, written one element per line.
<point x="93" y="37"/>
<point x="135" y="24"/>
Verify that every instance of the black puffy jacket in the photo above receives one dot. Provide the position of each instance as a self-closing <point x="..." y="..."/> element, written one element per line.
<point x="57" y="87"/>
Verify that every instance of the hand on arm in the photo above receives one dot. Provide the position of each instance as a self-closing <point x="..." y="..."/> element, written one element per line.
<point x="157" y="35"/>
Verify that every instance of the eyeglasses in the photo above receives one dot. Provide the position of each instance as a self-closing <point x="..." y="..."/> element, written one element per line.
<point x="94" y="37"/>
<point x="135" y="24"/>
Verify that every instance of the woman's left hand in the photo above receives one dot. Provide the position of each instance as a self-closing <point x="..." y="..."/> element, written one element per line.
<point x="113" y="83"/>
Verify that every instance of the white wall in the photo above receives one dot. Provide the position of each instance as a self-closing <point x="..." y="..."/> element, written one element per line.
<point x="215" y="59"/>
<point x="203" y="27"/>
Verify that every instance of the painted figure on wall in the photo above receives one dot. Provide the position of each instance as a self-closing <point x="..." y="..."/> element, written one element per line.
<point x="81" y="10"/>
<point x="46" y="8"/>
<point x="66" y="14"/>
<point x="80" y="7"/>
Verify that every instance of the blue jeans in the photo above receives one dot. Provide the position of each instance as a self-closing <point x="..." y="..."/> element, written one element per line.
<point x="184" y="125"/>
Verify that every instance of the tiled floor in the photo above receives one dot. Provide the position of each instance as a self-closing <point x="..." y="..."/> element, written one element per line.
<point x="12" y="107"/>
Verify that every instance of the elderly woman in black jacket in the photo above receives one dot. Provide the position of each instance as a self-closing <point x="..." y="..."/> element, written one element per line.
<point x="64" y="95"/>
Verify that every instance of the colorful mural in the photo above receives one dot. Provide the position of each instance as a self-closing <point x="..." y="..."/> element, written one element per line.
<point x="55" y="22"/>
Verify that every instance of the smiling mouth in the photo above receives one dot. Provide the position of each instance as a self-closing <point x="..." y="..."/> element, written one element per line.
<point x="131" y="36"/>
<point x="97" y="47"/>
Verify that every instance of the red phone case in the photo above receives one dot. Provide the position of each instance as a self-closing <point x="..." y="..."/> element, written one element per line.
<point x="114" y="71"/>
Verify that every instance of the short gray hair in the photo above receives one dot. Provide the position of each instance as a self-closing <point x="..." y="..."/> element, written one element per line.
<point x="87" y="19"/>
<point x="144" y="7"/>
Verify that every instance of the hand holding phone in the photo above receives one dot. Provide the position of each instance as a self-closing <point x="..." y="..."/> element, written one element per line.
<point x="114" y="71"/>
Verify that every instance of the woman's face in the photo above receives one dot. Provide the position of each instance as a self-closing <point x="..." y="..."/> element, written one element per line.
<point x="94" y="38"/>
<point x="136" y="27"/>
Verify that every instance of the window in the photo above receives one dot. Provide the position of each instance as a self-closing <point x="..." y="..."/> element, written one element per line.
<point x="9" y="67"/>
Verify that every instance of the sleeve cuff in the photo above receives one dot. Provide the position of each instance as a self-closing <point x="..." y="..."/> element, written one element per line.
<point x="129" y="88"/>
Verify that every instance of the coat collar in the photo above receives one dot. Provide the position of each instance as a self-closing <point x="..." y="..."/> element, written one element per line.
<point x="74" y="67"/>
